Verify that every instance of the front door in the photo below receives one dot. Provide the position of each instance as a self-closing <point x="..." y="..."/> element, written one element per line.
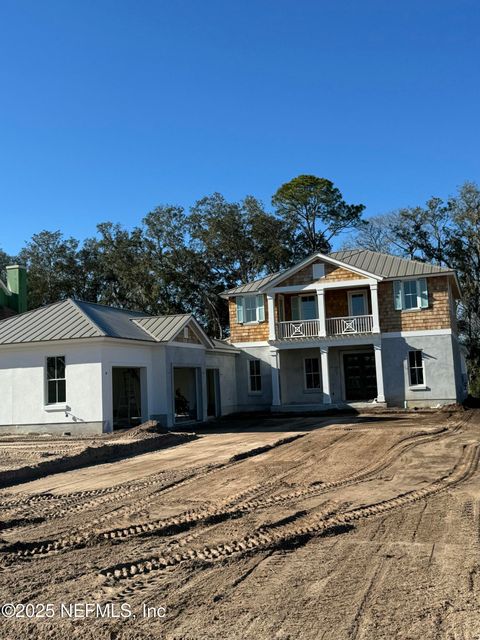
<point x="360" y="377"/>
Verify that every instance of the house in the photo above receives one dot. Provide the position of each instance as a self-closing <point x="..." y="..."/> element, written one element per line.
<point x="348" y="328"/>
<point x="83" y="368"/>
<point x="13" y="294"/>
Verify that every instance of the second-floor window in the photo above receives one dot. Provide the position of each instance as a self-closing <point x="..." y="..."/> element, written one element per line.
<point x="304" y="307"/>
<point x="410" y="294"/>
<point x="250" y="309"/>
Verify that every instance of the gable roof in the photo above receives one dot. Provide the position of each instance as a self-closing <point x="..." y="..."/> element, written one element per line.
<point x="385" y="265"/>
<point x="166" y="328"/>
<point x="380" y="266"/>
<point x="74" y="319"/>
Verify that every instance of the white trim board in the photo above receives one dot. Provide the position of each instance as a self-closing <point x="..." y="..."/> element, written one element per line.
<point x="419" y="334"/>
<point x="316" y="286"/>
<point x="325" y="343"/>
<point x="323" y="258"/>
<point x="248" y="345"/>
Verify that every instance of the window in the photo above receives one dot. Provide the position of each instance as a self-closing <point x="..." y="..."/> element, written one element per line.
<point x="304" y="307"/>
<point x="250" y="309"/>
<point x="254" y="376"/>
<point x="318" y="270"/>
<point x="56" y="383"/>
<point x="312" y="373"/>
<point x="357" y="302"/>
<point x="410" y="294"/>
<point x="415" y="367"/>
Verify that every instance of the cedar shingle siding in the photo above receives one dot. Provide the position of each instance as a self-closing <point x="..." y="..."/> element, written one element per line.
<point x="436" y="316"/>
<point x="255" y="332"/>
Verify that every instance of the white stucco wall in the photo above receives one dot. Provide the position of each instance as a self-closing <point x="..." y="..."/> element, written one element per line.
<point x="226" y="364"/>
<point x="23" y="387"/>
<point x="247" y="401"/>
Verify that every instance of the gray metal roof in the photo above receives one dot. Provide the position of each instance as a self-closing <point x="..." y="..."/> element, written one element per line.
<point x="225" y="346"/>
<point x="251" y="287"/>
<point x="163" y="328"/>
<point x="385" y="265"/>
<point x="74" y="319"/>
<point x="378" y="264"/>
<point x="59" y="321"/>
<point x="112" y="322"/>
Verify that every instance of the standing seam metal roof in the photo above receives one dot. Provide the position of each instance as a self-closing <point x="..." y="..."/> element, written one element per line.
<point x="163" y="328"/>
<point x="74" y="319"/>
<point x="378" y="264"/>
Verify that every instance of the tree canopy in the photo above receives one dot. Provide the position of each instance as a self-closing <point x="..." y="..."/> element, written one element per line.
<point x="315" y="211"/>
<point x="178" y="261"/>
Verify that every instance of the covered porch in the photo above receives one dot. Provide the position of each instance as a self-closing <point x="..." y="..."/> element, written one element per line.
<point x="333" y="309"/>
<point x="314" y="378"/>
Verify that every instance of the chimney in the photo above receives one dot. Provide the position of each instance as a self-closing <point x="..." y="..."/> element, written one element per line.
<point x="17" y="284"/>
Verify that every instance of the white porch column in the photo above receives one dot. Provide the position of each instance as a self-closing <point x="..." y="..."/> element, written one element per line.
<point x="325" y="375"/>
<point x="379" y="372"/>
<point x="375" y="312"/>
<point x="271" y="316"/>
<point x="321" y="312"/>
<point x="275" y="367"/>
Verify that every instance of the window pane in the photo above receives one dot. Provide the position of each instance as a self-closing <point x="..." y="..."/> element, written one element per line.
<point x="52" y="392"/>
<point x="60" y="367"/>
<point x="61" y="391"/>
<point x="358" y="304"/>
<point x="419" y="376"/>
<point x="50" y="368"/>
<point x="410" y="290"/>
<point x="309" y="307"/>
<point x="250" y="309"/>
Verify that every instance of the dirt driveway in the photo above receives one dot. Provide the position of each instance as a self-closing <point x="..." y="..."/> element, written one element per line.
<point x="292" y="528"/>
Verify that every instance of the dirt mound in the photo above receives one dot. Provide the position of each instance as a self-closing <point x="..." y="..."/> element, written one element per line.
<point x="96" y="452"/>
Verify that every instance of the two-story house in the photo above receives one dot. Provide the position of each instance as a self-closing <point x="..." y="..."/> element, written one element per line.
<point x="349" y="327"/>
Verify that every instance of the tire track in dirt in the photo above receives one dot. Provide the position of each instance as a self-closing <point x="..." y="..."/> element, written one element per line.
<point x="46" y="546"/>
<point x="118" y="492"/>
<point x="235" y="506"/>
<point x="291" y="533"/>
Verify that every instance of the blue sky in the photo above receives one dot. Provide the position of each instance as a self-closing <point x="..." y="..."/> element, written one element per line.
<point x="108" y="108"/>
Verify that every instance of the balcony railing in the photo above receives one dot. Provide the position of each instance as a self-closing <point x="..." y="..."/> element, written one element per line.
<point x="298" y="329"/>
<point x="349" y="325"/>
<point x="345" y="326"/>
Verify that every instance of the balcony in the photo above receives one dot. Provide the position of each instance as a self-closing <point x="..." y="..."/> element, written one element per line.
<point x="307" y="329"/>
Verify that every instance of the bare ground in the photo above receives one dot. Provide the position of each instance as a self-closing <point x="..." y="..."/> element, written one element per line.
<point x="299" y="528"/>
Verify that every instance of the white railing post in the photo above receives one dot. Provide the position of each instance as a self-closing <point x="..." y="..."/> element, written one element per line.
<point x="379" y="372"/>
<point x="271" y="316"/>
<point x="274" y="365"/>
<point x="375" y="312"/>
<point x="327" y="399"/>
<point x="321" y="312"/>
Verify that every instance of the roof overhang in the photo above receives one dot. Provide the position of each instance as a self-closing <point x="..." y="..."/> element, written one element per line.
<point x="310" y="260"/>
